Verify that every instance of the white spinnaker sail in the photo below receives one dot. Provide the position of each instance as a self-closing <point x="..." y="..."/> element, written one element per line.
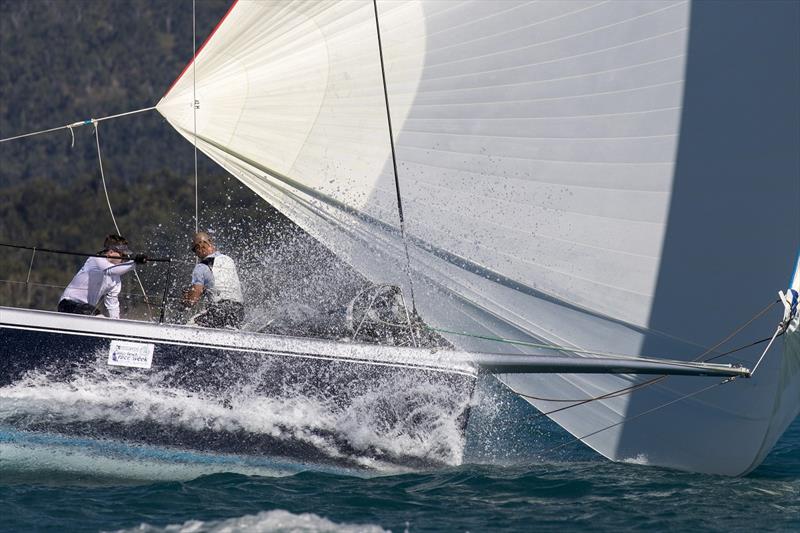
<point x="544" y="173"/>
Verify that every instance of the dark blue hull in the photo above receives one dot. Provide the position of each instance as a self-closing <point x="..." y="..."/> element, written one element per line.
<point x="201" y="397"/>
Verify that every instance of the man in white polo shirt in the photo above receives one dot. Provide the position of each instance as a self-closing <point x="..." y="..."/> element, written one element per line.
<point x="216" y="278"/>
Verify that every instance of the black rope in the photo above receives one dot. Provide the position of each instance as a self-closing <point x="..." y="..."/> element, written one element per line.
<point x="754" y="343"/>
<point x="736" y="332"/>
<point x="81" y="254"/>
<point x="394" y="160"/>
<point x="582" y="401"/>
<point x="639" y="415"/>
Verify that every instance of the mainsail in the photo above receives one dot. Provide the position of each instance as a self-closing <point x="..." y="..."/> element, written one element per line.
<point x="613" y="176"/>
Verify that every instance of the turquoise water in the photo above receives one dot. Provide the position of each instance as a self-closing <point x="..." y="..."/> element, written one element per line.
<point x="588" y="494"/>
<point x="54" y="483"/>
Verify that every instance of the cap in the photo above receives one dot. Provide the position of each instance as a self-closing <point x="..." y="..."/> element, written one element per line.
<point x="121" y="248"/>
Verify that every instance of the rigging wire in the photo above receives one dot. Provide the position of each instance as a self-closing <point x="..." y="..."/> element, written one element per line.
<point x="643" y="413"/>
<point x="775" y="335"/>
<point x="394" y="161"/>
<point x="195" y="105"/>
<point x="103" y="177"/>
<point x="81" y="254"/>
<point x="652" y="381"/>
<point x="76" y="124"/>
<point x="30" y="266"/>
<point x="110" y="210"/>
<point x="581" y="401"/>
<point x="735" y="332"/>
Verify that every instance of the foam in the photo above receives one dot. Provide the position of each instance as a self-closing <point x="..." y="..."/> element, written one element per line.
<point x="404" y="417"/>
<point x="267" y="521"/>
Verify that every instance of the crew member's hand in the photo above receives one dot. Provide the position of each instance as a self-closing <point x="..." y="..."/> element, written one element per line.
<point x="185" y="300"/>
<point x="140" y="259"/>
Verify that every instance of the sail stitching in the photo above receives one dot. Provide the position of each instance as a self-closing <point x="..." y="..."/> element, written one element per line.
<point x="529" y="28"/>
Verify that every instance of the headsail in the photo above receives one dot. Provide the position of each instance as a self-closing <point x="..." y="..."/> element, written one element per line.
<point x="589" y="174"/>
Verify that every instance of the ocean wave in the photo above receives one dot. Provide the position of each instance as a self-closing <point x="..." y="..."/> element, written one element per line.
<point x="276" y="521"/>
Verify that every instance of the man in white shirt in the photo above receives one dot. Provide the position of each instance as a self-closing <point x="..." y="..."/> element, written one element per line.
<point x="216" y="278"/>
<point x="99" y="279"/>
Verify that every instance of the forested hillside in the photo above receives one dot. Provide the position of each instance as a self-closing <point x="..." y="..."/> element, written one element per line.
<point x="66" y="60"/>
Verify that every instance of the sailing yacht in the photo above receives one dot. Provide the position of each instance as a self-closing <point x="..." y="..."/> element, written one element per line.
<point x="571" y="193"/>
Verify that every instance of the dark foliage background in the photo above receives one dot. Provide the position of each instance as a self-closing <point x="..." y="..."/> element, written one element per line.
<point x="67" y="60"/>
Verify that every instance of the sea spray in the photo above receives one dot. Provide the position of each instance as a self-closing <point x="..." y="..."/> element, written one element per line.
<point x="318" y="411"/>
<point x="273" y="521"/>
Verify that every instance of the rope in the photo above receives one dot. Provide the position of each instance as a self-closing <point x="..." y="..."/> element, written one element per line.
<point x="377" y="288"/>
<point x="628" y="390"/>
<point x="95" y="122"/>
<point x="735" y="332"/>
<point x="581" y="401"/>
<point x="740" y="348"/>
<point x="81" y="254"/>
<point x="30" y="266"/>
<point x="103" y="178"/>
<point x="629" y="419"/>
<point x="76" y="124"/>
<point x="394" y="162"/>
<point x="110" y="210"/>
<point x="778" y="332"/>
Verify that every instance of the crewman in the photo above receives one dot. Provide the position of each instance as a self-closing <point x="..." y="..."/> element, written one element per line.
<point x="216" y="278"/>
<point x="100" y="280"/>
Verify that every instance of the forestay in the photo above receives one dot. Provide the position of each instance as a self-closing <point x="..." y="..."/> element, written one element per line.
<point x="597" y="175"/>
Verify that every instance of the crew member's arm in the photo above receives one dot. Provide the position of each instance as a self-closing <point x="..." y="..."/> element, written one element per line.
<point x="192" y="295"/>
<point x="201" y="278"/>
<point x="118" y="269"/>
<point x="111" y="299"/>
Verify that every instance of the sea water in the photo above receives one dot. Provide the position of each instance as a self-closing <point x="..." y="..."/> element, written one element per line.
<point x="506" y="473"/>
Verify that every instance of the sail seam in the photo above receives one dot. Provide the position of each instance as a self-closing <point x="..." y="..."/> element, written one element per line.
<point x="539" y="160"/>
<point x="460" y="27"/>
<point x="559" y="59"/>
<point x="547" y="80"/>
<point x="495" y="116"/>
<point x="465" y="176"/>
<point x="552" y="98"/>
<point x="528" y="47"/>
